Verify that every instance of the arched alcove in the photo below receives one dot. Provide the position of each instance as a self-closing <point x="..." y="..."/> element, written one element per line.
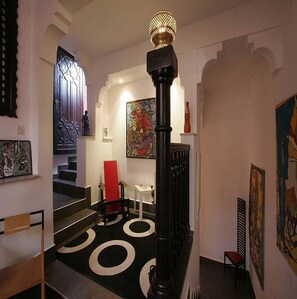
<point x="42" y="106"/>
<point x="231" y="93"/>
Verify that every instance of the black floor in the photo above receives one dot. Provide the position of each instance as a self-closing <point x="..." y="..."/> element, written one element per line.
<point x="35" y="293"/>
<point x="214" y="284"/>
<point x="217" y="285"/>
<point x="74" y="285"/>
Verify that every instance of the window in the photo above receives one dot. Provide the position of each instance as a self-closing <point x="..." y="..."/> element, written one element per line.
<point x="8" y="51"/>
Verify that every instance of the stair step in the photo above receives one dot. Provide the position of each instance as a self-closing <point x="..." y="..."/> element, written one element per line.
<point x="68" y="174"/>
<point x="72" y="219"/>
<point x="73" y="224"/>
<point x="62" y="181"/>
<point x="72" y="165"/>
<point x="72" y="215"/>
<point x="68" y="188"/>
<point x="71" y="159"/>
<point x="62" y="167"/>
<point x="62" y="200"/>
<point x="65" y="205"/>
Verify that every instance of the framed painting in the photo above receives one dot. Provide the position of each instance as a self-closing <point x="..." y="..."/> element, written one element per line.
<point x="15" y="158"/>
<point x="256" y="220"/>
<point x="140" y="129"/>
<point x="286" y="141"/>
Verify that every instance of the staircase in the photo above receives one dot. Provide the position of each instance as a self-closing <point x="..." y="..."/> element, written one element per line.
<point x="72" y="205"/>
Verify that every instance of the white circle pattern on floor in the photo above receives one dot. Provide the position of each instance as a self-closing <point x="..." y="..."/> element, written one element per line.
<point x="129" y="232"/>
<point x="109" y="271"/>
<point x="118" y="219"/>
<point x="91" y="236"/>
<point x="144" y="279"/>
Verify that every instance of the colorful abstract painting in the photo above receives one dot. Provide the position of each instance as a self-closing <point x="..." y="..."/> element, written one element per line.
<point x="256" y="220"/>
<point x="15" y="158"/>
<point x="286" y="135"/>
<point x="140" y="130"/>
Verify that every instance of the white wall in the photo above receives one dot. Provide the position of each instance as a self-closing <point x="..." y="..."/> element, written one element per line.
<point x="135" y="171"/>
<point x="255" y="142"/>
<point x="224" y="167"/>
<point x="267" y="91"/>
<point x="36" y="193"/>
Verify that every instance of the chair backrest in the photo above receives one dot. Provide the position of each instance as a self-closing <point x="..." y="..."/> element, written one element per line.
<point x="29" y="271"/>
<point x="241" y="227"/>
<point x="111" y="180"/>
<point x="18" y="223"/>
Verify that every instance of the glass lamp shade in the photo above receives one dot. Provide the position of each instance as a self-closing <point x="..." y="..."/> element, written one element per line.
<point x="162" y="29"/>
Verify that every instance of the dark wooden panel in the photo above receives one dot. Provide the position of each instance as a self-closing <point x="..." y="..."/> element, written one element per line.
<point x="68" y="103"/>
<point x="8" y="54"/>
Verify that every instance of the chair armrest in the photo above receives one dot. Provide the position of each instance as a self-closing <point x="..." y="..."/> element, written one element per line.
<point x="101" y="186"/>
<point x="123" y="183"/>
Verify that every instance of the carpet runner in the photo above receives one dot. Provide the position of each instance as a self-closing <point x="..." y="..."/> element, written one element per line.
<point x="117" y="256"/>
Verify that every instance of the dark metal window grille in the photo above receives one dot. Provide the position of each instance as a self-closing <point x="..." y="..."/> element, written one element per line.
<point x="8" y="52"/>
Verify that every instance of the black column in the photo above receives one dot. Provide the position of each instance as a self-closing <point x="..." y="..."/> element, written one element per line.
<point x="162" y="67"/>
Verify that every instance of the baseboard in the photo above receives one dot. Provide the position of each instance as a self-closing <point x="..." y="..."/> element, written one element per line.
<point x="49" y="255"/>
<point x="52" y="292"/>
<point x="148" y="209"/>
<point x="182" y="266"/>
<point x="247" y="273"/>
<point x="95" y="206"/>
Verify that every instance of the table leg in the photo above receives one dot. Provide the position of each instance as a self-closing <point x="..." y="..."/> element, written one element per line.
<point x="135" y="197"/>
<point x="140" y="207"/>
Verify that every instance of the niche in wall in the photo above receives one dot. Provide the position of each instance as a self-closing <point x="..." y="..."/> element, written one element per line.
<point x="225" y="143"/>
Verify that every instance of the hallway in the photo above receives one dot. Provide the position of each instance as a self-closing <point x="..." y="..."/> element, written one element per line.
<point x="214" y="284"/>
<point x="217" y="285"/>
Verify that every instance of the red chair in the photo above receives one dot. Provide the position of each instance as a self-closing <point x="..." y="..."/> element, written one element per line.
<point x="237" y="258"/>
<point x="112" y="193"/>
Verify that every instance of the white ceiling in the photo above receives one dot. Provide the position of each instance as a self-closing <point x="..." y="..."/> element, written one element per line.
<point x="103" y="27"/>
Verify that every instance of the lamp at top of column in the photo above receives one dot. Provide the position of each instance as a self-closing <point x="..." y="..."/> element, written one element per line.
<point x="162" y="29"/>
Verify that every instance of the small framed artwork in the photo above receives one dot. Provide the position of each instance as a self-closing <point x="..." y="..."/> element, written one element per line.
<point x="140" y="129"/>
<point x="256" y="220"/>
<point x="15" y="158"/>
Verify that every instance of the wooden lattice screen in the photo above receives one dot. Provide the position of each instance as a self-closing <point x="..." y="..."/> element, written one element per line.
<point x="241" y="229"/>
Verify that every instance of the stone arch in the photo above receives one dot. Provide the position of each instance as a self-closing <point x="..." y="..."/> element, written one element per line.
<point x="266" y="44"/>
<point x="47" y="60"/>
<point x="239" y="50"/>
<point x="61" y="20"/>
<point x="229" y="123"/>
<point x="51" y="39"/>
<point x="268" y="56"/>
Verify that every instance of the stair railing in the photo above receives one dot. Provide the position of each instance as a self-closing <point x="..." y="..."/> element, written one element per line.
<point x="179" y="160"/>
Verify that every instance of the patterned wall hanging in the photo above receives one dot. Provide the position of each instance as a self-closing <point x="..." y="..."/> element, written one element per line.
<point x="15" y="158"/>
<point x="286" y="136"/>
<point x="140" y="129"/>
<point x="256" y="220"/>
